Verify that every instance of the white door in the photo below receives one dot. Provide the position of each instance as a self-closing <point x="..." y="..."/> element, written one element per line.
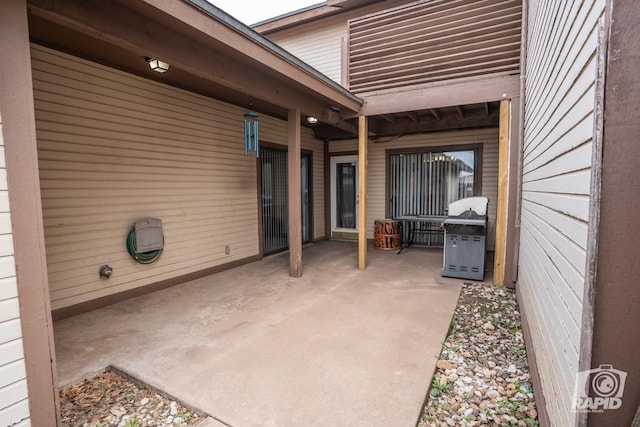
<point x="344" y="194"/>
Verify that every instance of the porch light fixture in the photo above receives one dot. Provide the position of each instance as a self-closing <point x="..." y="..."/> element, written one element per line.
<point x="312" y="120"/>
<point x="157" y="65"/>
<point x="251" y="133"/>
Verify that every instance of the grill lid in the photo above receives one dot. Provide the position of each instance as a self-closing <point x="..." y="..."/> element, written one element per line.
<point x="464" y="221"/>
<point x="468" y="211"/>
<point x="477" y="205"/>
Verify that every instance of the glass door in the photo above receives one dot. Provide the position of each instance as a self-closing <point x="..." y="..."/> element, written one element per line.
<point x="344" y="194"/>
<point x="305" y="188"/>
<point x="275" y="200"/>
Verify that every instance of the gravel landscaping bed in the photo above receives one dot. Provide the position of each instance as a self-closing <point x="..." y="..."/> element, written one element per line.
<point x="482" y="376"/>
<point x="113" y="400"/>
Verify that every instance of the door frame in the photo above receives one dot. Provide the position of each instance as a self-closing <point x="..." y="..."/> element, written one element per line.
<point x="334" y="160"/>
<point x="285" y="148"/>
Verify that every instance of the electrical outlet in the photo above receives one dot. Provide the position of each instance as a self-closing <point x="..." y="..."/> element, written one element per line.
<point x="227" y="249"/>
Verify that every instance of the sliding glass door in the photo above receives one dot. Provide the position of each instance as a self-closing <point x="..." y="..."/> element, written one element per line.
<point x="275" y="199"/>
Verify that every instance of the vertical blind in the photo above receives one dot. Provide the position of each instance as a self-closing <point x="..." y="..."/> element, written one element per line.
<point x="275" y="200"/>
<point x="424" y="183"/>
<point x="275" y="207"/>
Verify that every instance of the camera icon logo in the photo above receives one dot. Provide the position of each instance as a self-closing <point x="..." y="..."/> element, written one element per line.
<point x="599" y="389"/>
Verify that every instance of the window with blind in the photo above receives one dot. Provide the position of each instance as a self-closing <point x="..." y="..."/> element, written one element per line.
<point x="424" y="182"/>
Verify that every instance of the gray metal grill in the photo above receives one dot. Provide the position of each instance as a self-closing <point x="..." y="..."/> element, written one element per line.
<point x="465" y="236"/>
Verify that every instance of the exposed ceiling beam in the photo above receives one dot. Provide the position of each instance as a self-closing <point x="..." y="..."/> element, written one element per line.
<point x="441" y="94"/>
<point x="387" y="118"/>
<point x="435" y="113"/>
<point x="460" y="111"/>
<point x="447" y="122"/>
<point x="347" y="126"/>
<point x="331" y="132"/>
<point x="412" y="116"/>
<point x="409" y="123"/>
<point x="487" y="109"/>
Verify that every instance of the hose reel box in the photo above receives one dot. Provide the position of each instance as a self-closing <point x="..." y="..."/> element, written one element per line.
<point x="149" y="235"/>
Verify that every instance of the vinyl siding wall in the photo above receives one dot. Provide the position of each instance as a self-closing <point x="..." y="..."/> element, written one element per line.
<point x="114" y="147"/>
<point x="320" y="46"/>
<point x="320" y="43"/>
<point x="377" y="171"/>
<point x="14" y="401"/>
<point x="559" y="125"/>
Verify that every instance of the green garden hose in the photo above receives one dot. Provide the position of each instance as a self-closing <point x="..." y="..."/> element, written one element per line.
<point x="144" y="257"/>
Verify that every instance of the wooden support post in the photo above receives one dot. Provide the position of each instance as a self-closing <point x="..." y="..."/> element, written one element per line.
<point x="31" y="284"/>
<point x="295" y="199"/>
<point x="503" y="185"/>
<point x="363" y="133"/>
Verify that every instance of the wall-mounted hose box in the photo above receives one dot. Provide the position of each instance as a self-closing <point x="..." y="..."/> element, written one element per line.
<point x="145" y="240"/>
<point x="149" y="235"/>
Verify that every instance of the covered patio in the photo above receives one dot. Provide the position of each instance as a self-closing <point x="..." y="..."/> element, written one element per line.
<point x="341" y="345"/>
<point x="252" y="346"/>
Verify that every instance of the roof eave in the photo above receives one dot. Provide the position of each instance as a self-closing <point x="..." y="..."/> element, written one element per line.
<point x="312" y="13"/>
<point x="349" y="101"/>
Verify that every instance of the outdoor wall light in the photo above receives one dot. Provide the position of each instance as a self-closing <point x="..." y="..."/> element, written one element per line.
<point x="312" y="120"/>
<point x="157" y="65"/>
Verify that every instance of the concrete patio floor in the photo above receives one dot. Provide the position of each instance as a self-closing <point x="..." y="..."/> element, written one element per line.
<point x="252" y="346"/>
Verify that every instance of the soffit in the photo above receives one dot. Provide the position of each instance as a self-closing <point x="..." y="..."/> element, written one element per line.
<point x="386" y="127"/>
<point x="207" y="55"/>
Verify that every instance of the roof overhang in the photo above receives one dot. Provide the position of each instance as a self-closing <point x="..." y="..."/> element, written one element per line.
<point x="308" y="14"/>
<point x="210" y="53"/>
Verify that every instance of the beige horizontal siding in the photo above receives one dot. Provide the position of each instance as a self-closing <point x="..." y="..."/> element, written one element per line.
<point x="14" y="399"/>
<point x="377" y="171"/>
<point x="277" y="133"/>
<point x="319" y="46"/>
<point x="427" y="41"/>
<point x="559" y="123"/>
<point x="318" y="190"/>
<point x="319" y="43"/>
<point x="113" y="148"/>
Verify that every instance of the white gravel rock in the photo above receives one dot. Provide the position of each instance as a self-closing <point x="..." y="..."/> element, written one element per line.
<point x="488" y="364"/>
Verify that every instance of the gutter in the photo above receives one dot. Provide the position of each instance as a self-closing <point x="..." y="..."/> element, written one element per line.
<point x="234" y="24"/>
<point x="286" y="15"/>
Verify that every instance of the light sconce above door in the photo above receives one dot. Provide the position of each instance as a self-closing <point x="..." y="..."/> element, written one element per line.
<point x="157" y="65"/>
